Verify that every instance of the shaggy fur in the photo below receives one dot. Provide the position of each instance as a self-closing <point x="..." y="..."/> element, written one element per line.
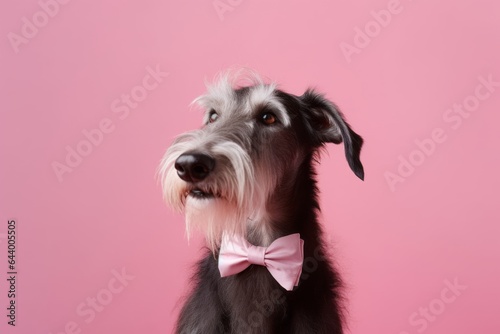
<point x="263" y="143"/>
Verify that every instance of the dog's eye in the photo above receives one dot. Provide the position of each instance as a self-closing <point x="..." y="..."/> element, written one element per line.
<point x="268" y="118"/>
<point x="212" y="117"/>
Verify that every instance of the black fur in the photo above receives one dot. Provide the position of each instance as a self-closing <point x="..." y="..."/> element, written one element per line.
<point x="252" y="301"/>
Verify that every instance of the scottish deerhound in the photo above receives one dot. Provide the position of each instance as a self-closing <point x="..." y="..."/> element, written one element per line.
<point x="246" y="179"/>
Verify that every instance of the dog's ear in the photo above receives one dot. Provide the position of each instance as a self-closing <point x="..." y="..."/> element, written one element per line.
<point x="327" y="125"/>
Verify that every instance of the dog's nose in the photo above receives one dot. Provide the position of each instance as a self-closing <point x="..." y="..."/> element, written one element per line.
<point x="194" y="167"/>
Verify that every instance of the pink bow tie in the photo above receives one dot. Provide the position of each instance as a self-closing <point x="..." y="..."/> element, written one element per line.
<point x="283" y="258"/>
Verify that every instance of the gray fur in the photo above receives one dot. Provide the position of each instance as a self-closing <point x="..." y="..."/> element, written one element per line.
<point x="262" y="187"/>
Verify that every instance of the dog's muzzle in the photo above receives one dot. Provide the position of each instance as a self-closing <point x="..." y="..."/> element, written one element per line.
<point x="194" y="167"/>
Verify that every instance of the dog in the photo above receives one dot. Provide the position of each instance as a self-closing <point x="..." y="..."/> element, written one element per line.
<point x="246" y="180"/>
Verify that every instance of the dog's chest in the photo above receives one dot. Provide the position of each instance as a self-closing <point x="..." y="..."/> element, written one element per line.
<point x="261" y="300"/>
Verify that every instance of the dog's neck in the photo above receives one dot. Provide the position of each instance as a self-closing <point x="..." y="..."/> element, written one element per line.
<point x="291" y="209"/>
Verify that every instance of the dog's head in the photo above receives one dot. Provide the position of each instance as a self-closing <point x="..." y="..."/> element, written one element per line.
<point x="252" y="143"/>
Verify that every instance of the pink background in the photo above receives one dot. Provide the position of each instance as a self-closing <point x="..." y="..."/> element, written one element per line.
<point x="396" y="246"/>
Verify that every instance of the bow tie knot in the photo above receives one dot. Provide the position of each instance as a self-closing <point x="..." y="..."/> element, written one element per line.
<point x="283" y="258"/>
<point x="257" y="255"/>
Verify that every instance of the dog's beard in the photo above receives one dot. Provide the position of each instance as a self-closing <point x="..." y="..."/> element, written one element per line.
<point x="214" y="217"/>
<point x="242" y="213"/>
<point x="218" y="206"/>
<point x="233" y="202"/>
